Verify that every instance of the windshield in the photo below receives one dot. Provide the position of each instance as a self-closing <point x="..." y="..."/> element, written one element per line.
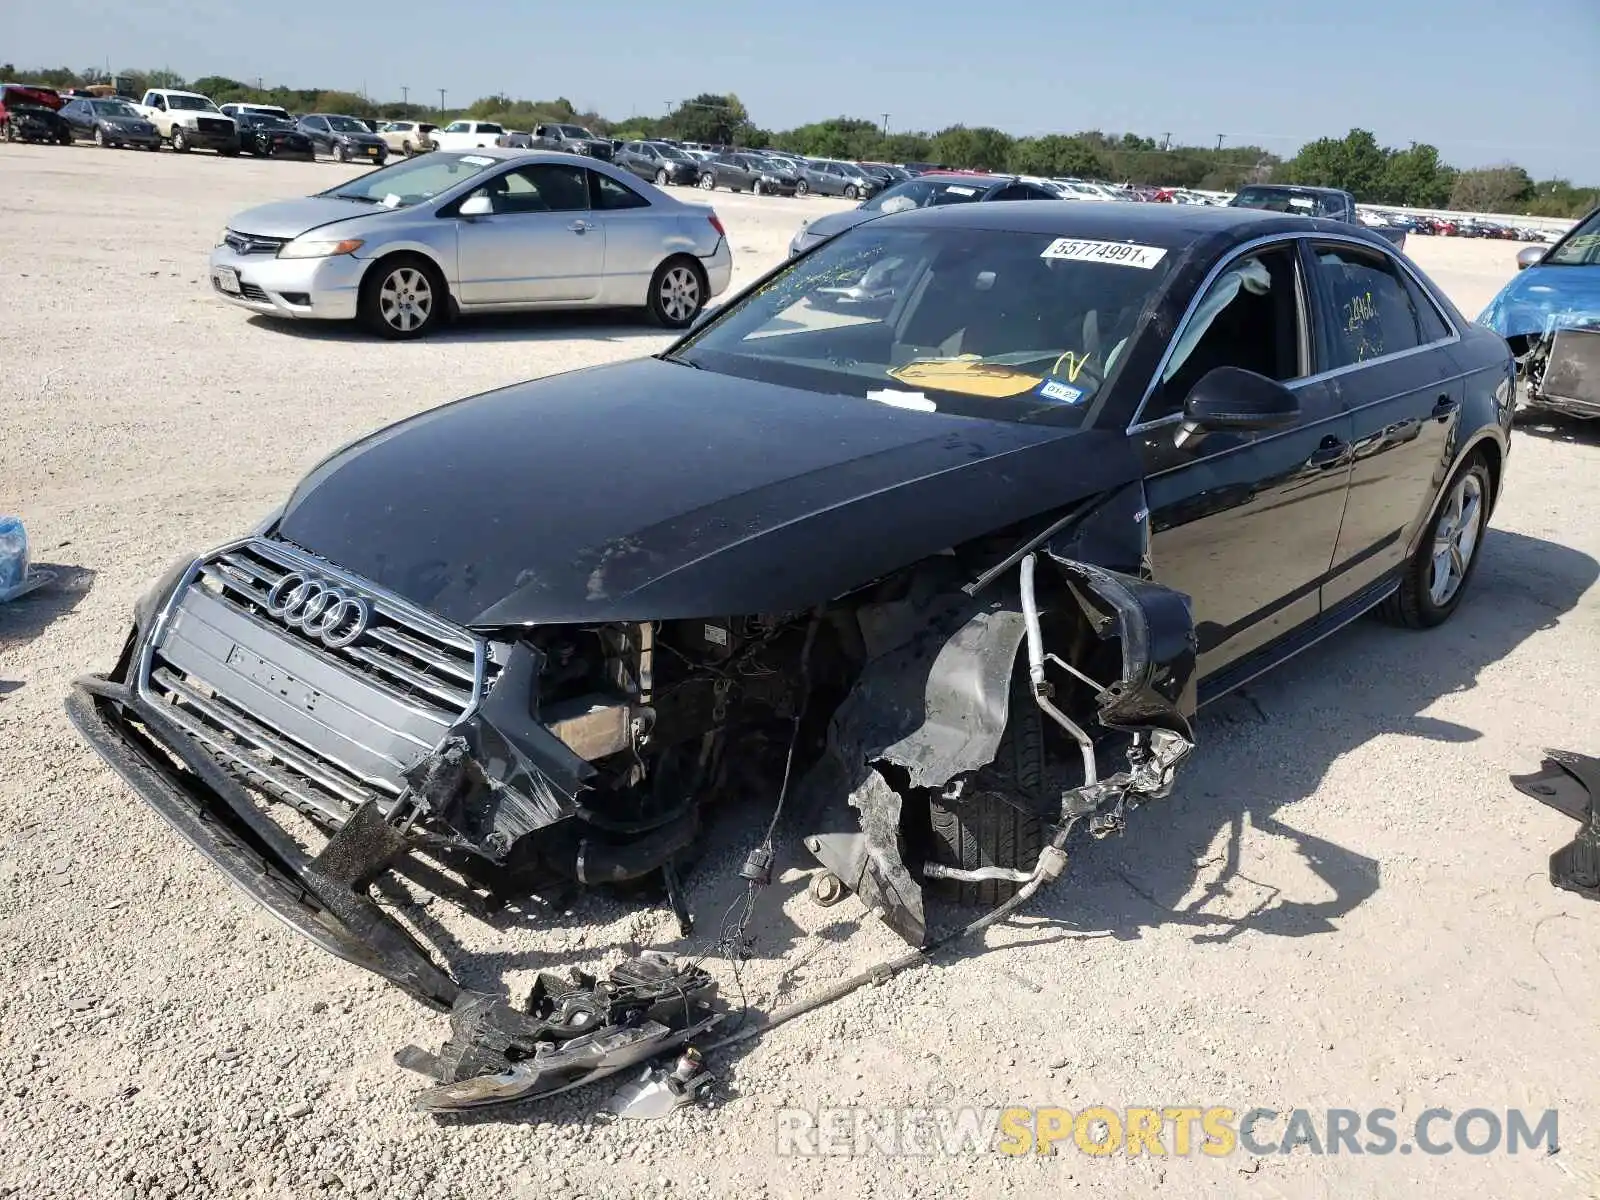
<point x="112" y="108"/>
<point x="190" y="103"/>
<point x="574" y="131"/>
<point x="925" y="193"/>
<point x="413" y="180"/>
<point x="667" y="151"/>
<point x="347" y="125"/>
<point x="1009" y="326"/>
<point x="1289" y="200"/>
<point x="770" y="164"/>
<point x="1581" y="248"/>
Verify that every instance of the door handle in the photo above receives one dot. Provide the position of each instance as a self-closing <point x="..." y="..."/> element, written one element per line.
<point x="1445" y="408"/>
<point x="1330" y="452"/>
<point x="579" y="227"/>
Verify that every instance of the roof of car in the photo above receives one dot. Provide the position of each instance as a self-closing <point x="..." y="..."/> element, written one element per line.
<point x="1169" y="225"/>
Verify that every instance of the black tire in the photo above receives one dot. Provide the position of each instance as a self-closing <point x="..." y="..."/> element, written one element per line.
<point x="11" y="133"/>
<point x="384" y="292"/>
<point x="1415" y="604"/>
<point x="100" y="137"/>
<point x="670" y="304"/>
<point x="849" y="191"/>
<point x="179" y="143"/>
<point x="997" y="821"/>
<point x="802" y="188"/>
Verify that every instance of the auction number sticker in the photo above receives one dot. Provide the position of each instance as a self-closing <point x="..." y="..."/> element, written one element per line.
<point x="1121" y="254"/>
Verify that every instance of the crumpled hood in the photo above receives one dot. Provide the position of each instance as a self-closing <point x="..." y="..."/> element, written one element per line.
<point x="651" y="490"/>
<point x="291" y="218"/>
<point x="1543" y="299"/>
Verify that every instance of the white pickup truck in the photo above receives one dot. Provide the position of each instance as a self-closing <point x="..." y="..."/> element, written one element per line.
<point x="466" y="135"/>
<point x="189" y="120"/>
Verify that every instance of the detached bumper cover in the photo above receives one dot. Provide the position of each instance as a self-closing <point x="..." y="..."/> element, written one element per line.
<point x="214" y="814"/>
<point x="333" y="284"/>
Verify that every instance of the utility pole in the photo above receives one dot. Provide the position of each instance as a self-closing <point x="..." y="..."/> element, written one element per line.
<point x="405" y="95"/>
<point x="1219" y="141"/>
<point x="441" y="99"/>
<point x="885" y="124"/>
<point x="1166" y="141"/>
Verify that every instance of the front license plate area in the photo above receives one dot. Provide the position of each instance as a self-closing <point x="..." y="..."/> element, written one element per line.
<point x="273" y="678"/>
<point x="227" y="279"/>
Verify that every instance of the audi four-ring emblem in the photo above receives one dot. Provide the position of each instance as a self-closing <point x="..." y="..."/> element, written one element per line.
<point x="319" y="609"/>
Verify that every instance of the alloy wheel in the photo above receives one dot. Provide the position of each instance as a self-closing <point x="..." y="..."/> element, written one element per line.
<point x="661" y="178"/>
<point x="100" y="137"/>
<point x="406" y="299"/>
<point x="1455" y="539"/>
<point x="708" y="182"/>
<point x="680" y="293"/>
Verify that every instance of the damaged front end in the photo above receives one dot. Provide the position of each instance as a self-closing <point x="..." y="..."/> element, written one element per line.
<point x="487" y="766"/>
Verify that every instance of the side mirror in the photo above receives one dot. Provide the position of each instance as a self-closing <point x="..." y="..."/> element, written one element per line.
<point x="476" y="206"/>
<point x="1230" y="398"/>
<point x="1529" y="256"/>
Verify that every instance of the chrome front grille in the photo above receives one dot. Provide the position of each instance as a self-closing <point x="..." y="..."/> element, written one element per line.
<point x="321" y="727"/>
<point x="254" y="243"/>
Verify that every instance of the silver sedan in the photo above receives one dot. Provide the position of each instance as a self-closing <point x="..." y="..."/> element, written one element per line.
<point x="488" y="230"/>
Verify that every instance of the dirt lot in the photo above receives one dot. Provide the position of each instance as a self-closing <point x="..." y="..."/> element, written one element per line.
<point x="1344" y="904"/>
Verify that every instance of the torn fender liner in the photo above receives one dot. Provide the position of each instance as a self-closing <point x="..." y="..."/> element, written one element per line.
<point x="934" y="706"/>
<point x="572" y="1033"/>
<point x="1570" y="784"/>
<point x="211" y="811"/>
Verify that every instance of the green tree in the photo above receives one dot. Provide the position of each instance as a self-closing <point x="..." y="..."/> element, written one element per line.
<point x="982" y="147"/>
<point x="1354" y="162"/>
<point x="709" y="117"/>
<point x="1491" y="189"/>
<point x="162" y="77"/>
<point x="345" y="103"/>
<point x="1055" y="154"/>
<point x="1416" y="177"/>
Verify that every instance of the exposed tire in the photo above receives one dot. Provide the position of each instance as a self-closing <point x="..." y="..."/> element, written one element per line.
<point x="802" y="188"/>
<point x="407" y="149"/>
<point x="997" y="821"/>
<point x="1436" y="577"/>
<point x="403" y="296"/>
<point x="678" y="291"/>
<point x="179" y="142"/>
<point x="661" y="178"/>
<point x="849" y="191"/>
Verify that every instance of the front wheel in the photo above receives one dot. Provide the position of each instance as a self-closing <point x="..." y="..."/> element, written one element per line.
<point x="179" y="142"/>
<point x="802" y="188"/>
<point x="339" y="154"/>
<point x="849" y="191"/>
<point x="661" y="178"/>
<point x="100" y="137"/>
<point x="403" y="297"/>
<point x="708" y="182"/>
<point x="677" y="293"/>
<point x="755" y="188"/>
<point x="1436" y="577"/>
<point x="407" y="149"/>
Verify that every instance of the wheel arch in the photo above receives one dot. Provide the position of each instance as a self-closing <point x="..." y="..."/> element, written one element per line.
<point x="1485" y="445"/>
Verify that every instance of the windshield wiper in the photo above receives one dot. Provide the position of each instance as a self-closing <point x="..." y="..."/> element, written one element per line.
<point x="682" y="362"/>
<point x="359" y="199"/>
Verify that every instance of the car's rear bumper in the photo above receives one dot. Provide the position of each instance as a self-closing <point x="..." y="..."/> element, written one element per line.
<point x="201" y="139"/>
<point x="719" y="267"/>
<point x="304" y="288"/>
<point x="206" y="807"/>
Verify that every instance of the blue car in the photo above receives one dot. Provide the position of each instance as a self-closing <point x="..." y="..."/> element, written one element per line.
<point x="1550" y="314"/>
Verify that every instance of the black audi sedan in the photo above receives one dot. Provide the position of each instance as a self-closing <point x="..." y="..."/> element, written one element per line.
<point x="267" y="136"/>
<point x="109" y="123"/>
<point x="935" y="538"/>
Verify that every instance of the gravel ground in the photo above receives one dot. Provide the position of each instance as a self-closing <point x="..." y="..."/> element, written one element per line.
<point x="1344" y="904"/>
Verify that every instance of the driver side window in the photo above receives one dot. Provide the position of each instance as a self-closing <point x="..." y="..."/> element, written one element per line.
<point x="1250" y="317"/>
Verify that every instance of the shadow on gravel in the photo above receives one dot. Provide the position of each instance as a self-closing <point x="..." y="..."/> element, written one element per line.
<point x="1268" y="746"/>
<point x="601" y="325"/>
<point x="27" y="617"/>
<point x="1553" y="427"/>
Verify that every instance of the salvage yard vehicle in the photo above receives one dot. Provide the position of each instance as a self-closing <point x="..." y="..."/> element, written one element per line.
<point x="266" y="136"/>
<point x="29" y="113"/>
<point x="189" y="121"/>
<point x="407" y="137"/>
<point x="658" y="162"/>
<point x="466" y="135"/>
<point x="486" y="231"/>
<point x="571" y="139"/>
<point x="343" y="139"/>
<point x="1330" y="203"/>
<point x="960" y="564"/>
<point x="747" y="171"/>
<point x="828" y="177"/>
<point x="110" y="123"/>
<point x="921" y="191"/>
<point x="1549" y="313"/>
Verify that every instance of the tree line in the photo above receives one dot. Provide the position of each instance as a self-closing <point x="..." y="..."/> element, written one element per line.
<point x="1414" y="176"/>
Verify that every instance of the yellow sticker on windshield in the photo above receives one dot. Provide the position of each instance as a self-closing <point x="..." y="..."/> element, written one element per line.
<point x="969" y="376"/>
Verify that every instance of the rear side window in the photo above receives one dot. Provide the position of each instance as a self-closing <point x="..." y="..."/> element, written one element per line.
<point x="1367" y="310"/>
<point x="609" y="195"/>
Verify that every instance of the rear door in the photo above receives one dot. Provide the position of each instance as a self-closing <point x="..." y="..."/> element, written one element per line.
<point x="1387" y="356"/>
<point x="1246" y="523"/>
<point x="541" y="244"/>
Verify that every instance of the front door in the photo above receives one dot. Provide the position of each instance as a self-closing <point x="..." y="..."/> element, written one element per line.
<point x="1405" y="405"/>
<point x="540" y="244"/>
<point x="1246" y="523"/>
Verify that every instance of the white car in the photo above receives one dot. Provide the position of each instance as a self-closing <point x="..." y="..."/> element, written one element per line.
<point x="466" y="135"/>
<point x="259" y="110"/>
<point x="189" y="120"/>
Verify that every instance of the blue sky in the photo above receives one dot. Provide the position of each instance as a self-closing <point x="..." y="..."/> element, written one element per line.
<point x="1485" y="82"/>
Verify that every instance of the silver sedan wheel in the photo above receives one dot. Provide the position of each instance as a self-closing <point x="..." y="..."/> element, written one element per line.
<point x="406" y="299"/>
<point x="680" y="293"/>
<point x="1455" y="539"/>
